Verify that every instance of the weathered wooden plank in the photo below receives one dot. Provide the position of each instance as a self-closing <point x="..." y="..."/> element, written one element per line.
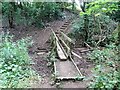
<point x="69" y="78"/>
<point x="76" y="55"/>
<point x="55" y="70"/>
<point x="69" y="49"/>
<point x="66" y="37"/>
<point x="76" y="66"/>
<point x="60" y="50"/>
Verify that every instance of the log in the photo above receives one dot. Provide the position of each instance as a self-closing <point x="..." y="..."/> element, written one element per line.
<point x="82" y="50"/>
<point x="86" y="50"/>
<point x="55" y="35"/>
<point x="41" y="53"/>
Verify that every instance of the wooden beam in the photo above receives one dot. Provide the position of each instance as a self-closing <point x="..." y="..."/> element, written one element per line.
<point x="69" y="49"/>
<point x="55" y="70"/>
<point x="76" y="55"/>
<point x="66" y="37"/>
<point x="76" y="66"/>
<point x="60" y="50"/>
<point x="70" y="78"/>
<point x="63" y="42"/>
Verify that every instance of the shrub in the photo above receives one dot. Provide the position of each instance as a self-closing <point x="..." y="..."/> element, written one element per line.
<point x="106" y="55"/>
<point x="104" y="79"/>
<point x="105" y="72"/>
<point x="14" y="61"/>
<point x="98" y="26"/>
<point x="34" y="13"/>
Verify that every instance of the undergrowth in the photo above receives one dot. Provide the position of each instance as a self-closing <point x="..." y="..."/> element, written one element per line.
<point x="106" y="71"/>
<point x="98" y="27"/>
<point x="15" y="63"/>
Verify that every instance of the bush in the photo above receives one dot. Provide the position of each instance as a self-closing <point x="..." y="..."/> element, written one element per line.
<point x="103" y="56"/>
<point x="96" y="24"/>
<point x="35" y="13"/>
<point x="14" y="61"/>
<point x="106" y="71"/>
<point x="104" y="79"/>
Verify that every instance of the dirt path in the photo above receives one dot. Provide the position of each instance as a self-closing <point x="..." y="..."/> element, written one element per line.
<point x="39" y="38"/>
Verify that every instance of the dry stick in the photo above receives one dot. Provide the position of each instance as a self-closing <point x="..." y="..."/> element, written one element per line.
<point x="76" y="55"/>
<point x="88" y="45"/>
<point x="76" y="66"/>
<point x="101" y="40"/>
<point x="86" y="50"/>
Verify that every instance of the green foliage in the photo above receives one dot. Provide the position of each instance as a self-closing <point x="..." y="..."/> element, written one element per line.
<point x="104" y="78"/>
<point x="14" y="61"/>
<point x="101" y="6"/>
<point x="100" y="24"/>
<point x="96" y="24"/>
<point x="106" y="55"/>
<point x="105" y="72"/>
<point x="51" y="57"/>
<point x="34" y="13"/>
<point x="78" y="29"/>
<point x="107" y="7"/>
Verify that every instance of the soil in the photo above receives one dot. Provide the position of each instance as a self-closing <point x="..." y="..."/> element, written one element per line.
<point x="40" y="37"/>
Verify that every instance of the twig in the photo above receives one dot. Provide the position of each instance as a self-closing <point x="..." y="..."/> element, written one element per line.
<point x="76" y="55"/>
<point x="100" y="41"/>
<point x="88" y="45"/>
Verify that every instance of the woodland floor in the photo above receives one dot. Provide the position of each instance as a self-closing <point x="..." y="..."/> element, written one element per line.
<point x="39" y="38"/>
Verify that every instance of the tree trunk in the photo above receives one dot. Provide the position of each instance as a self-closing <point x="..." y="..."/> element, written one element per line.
<point x="119" y="33"/>
<point x="86" y="22"/>
<point x="73" y="5"/>
<point x="10" y="15"/>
